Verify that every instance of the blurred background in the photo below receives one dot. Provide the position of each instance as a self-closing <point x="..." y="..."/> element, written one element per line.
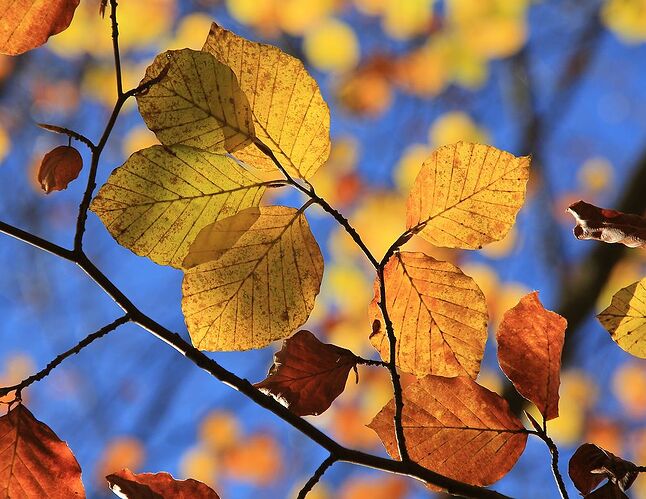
<point x="562" y="80"/>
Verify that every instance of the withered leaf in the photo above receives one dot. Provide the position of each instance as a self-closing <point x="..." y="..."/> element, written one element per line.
<point x="162" y="485"/>
<point x="590" y="465"/>
<point x="609" y="226"/>
<point x="59" y="167"/>
<point x="530" y="342"/>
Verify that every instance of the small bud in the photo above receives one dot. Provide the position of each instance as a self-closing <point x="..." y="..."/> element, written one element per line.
<point x="59" y="167"/>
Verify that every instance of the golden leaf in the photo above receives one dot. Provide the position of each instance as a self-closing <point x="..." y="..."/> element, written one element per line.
<point x="253" y="279"/>
<point x="289" y="114"/>
<point x="467" y="195"/>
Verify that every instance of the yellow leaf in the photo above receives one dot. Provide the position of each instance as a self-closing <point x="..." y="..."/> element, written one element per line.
<point x="161" y="197"/>
<point x="253" y="279"/>
<point x="197" y="103"/>
<point x="625" y="318"/>
<point x="402" y="20"/>
<point x="439" y="317"/>
<point x="627" y="18"/>
<point x="454" y="127"/>
<point x="332" y="46"/>
<point x="467" y="195"/>
<point x="289" y="114"/>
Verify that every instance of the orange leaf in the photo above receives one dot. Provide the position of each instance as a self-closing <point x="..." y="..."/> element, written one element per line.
<point x="307" y="374"/>
<point x="27" y="24"/>
<point x="34" y="462"/>
<point x="257" y="460"/>
<point x="590" y="465"/>
<point x="530" y="342"/>
<point x="455" y="427"/>
<point x="129" y="485"/>
<point x="59" y="167"/>
<point x="609" y="226"/>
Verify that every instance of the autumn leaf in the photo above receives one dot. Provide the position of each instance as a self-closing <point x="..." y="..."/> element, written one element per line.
<point x="157" y="202"/>
<point x="439" y="317"/>
<point x="467" y="195"/>
<point x="59" y="167"/>
<point x="308" y="375"/>
<point x="289" y="114"/>
<point x="27" y="24"/>
<point x="455" y="427"/>
<point x="34" y="462"/>
<point x="609" y="226"/>
<point x="625" y="318"/>
<point x="198" y="103"/>
<point x="530" y="342"/>
<point x="590" y="465"/>
<point x="252" y="279"/>
<point x="131" y="485"/>
<point x="257" y="459"/>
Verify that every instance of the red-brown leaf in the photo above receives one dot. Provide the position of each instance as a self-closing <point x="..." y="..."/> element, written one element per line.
<point x="307" y="374"/>
<point x="162" y="485"/>
<point x="59" y="167"/>
<point x="34" y="462"/>
<point x="609" y="226"/>
<point x="530" y="342"/>
<point x="590" y="465"/>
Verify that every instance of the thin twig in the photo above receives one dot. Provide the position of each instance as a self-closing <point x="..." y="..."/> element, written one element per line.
<point x="69" y="133"/>
<point x="329" y="461"/>
<point x="370" y="362"/>
<point x="115" y="46"/>
<point x="541" y="432"/>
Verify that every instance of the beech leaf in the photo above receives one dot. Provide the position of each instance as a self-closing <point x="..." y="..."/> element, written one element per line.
<point x="590" y="465"/>
<point x="289" y="114"/>
<point x="307" y="375"/>
<point x="467" y="195"/>
<point x="530" y="342"/>
<point x="157" y="202"/>
<point x="252" y="279"/>
<point x="439" y="317"/>
<point x="625" y="318"/>
<point x="198" y="103"/>
<point x="59" y="167"/>
<point x="27" y="24"/>
<point x="455" y="427"/>
<point x="34" y="462"/>
<point x="609" y="226"/>
<point x="129" y="485"/>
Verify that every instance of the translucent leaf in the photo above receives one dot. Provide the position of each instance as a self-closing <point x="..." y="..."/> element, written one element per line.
<point x="129" y="485"/>
<point x="289" y="114"/>
<point x="609" y="226"/>
<point x="625" y="318"/>
<point x="590" y="465"/>
<point x="253" y="279"/>
<point x="157" y="202"/>
<point x="467" y="195"/>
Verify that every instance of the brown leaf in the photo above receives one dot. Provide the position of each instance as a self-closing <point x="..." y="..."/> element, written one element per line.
<point x="530" y="342"/>
<point x="307" y="374"/>
<point x="609" y="226"/>
<point x="590" y="465"/>
<point x="607" y="491"/>
<point x="455" y="427"/>
<point x="34" y="462"/>
<point x="27" y="24"/>
<point x="162" y="485"/>
<point x="59" y="167"/>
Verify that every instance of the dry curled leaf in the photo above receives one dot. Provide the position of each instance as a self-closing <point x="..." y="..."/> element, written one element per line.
<point x="34" y="462"/>
<point x="59" y="167"/>
<point x="530" y="342"/>
<point x="308" y="375"/>
<point x="455" y="427"/>
<point x="609" y="226"/>
<point x="590" y="465"/>
<point x="129" y="485"/>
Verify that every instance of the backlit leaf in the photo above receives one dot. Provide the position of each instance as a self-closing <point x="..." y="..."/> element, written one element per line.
<point x="197" y="103"/>
<point x="530" y="342"/>
<point x="455" y="427"/>
<point x="625" y="318"/>
<point x="59" y="167"/>
<point x="590" y="465"/>
<point x="439" y="317"/>
<point x="253" y="279"/>
<point x="609" y="226"/>
<point x="157" y="202"/>
<point x="289" y="114"/>
<point x="27" y="24"/>
<point x="129" y="485"/>
<point x="467" y="195"/>
<point x="307" y="374"/>
<point x="34" y="462"/>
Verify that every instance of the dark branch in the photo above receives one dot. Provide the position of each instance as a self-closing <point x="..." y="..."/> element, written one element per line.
<point x="69" y="133"/>
<point x="316" y="476"/>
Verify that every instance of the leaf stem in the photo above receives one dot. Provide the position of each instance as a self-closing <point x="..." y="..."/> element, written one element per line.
<point x="314" y="479"/>
<point x="541" y="432"/>
<point x="370" y="362"/>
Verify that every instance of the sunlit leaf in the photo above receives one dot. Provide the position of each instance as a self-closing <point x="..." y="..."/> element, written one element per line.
<point x="625" y="318"/>
<point x="590" y="465"/>
<point x="332" y="46"/>
<point x="59" y="167"/>
<point x="129" y="485"/>
<point x="253" y="279"/>
<point x="198" y="103"/>
<point x="609" y="226"/>
<point x="467" y="195"/>
<point x="439" y="317"/>
<point x="289" y="114"/>
<point x="27" y="24"/>
<point x="453" y="127"/>
<point x="157" y="202"/>
<point x="530" y="342"/>
<point x="34" y="462"/>
<point x="457" y="428"/>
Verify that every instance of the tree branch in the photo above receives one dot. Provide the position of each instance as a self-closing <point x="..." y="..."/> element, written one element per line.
<point x="329" y="461"/>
